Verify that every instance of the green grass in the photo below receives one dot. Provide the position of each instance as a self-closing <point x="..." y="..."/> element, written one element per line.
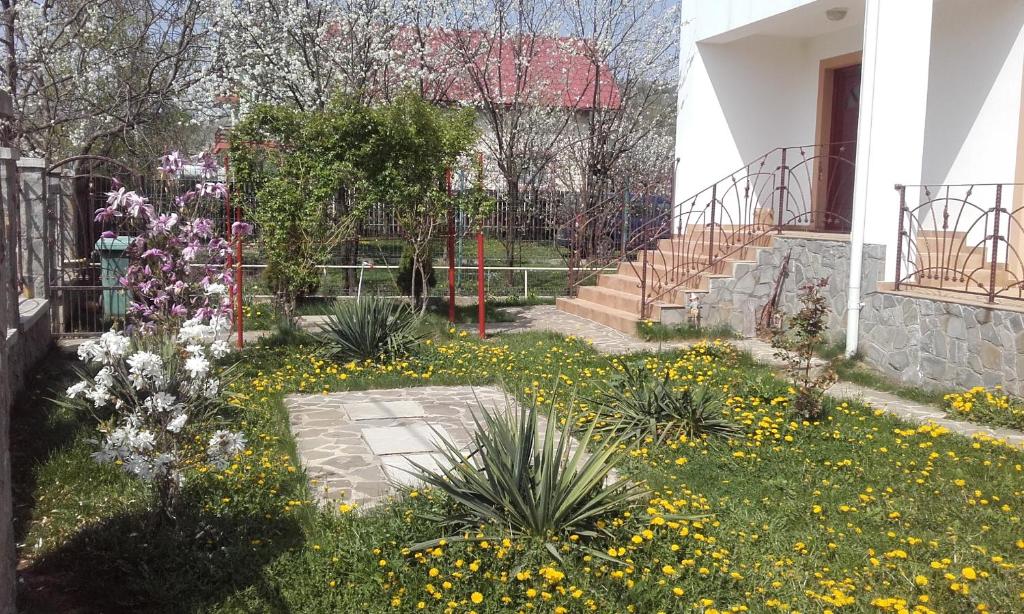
<point x="854" y="370"/>
<point x="656" y="331"/>
<point x="807" y="515"/>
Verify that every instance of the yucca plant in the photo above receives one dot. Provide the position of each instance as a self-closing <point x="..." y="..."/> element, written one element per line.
<point x="532" y="482"/>
<point x="369" y="329"/>
<point x="638" y="405"/>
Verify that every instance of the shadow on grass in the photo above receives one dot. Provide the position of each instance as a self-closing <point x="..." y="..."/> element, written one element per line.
<point x="128" y="564"/>
<point x="40" y="429"/>
<point x="120" y="561"/>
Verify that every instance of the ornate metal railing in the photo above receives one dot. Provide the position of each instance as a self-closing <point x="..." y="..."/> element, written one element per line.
<point x="965" y="238"/>
<point x="788" y="188"/>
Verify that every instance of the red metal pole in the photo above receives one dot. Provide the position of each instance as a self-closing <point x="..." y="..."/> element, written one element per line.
<point x="451" y="248"/>
<point x="480" y="282"/>
<point x="235" y="212"/>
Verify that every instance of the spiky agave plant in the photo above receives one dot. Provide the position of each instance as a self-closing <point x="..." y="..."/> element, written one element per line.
<point x="637" y="405"/>
<point x="530" y="481"/>
<point x="369" y="329"/>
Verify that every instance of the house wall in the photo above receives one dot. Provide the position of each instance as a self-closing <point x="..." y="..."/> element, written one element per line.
<point x="974" y="92"/>
<point x="742" y="97"/>
<point x="943" y="345"/>
<point x="737" y="301"/>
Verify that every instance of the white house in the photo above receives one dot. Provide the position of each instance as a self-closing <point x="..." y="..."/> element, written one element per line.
<point x="919" y="92"/>
<point x="797" y="120"/>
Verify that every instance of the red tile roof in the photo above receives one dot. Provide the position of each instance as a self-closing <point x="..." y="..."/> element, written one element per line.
<point x="560" y="73"/>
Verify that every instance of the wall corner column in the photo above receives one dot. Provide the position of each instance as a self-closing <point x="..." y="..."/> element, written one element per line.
<point x="890" y="134"/>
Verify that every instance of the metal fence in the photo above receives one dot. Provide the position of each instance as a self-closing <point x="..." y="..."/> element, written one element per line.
<point x="500" y="281"/>
<point x="967" y="239"/>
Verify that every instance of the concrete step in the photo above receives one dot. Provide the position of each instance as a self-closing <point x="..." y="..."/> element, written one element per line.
<point x="700" y="250"/>
<point x="631" y="284"/>
<point x="622" y="301"/>
<point x="619" y="320"/>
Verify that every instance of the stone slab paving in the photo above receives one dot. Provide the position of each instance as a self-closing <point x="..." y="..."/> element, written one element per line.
<point x="921" y="413"/>
<point x="549" y="318"/>
<point x="359" y="446"/>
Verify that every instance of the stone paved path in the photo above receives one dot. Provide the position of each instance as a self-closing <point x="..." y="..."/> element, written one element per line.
<point x="921" y="413"/>
<point x="549" y="318"/>
<point x="357" y="446"/>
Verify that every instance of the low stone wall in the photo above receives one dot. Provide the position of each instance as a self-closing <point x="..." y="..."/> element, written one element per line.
<point x="26" y="347"/>
<point x="737" y="301"/>
<point x="943" y="344"/>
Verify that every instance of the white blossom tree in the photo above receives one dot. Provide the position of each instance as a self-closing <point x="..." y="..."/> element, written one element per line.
<point x="624" y="142"/>
<point x="303" y="52"/>
<point x="101" y="77"/>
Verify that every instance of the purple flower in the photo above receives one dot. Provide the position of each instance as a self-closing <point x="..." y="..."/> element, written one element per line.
<point x="107" y="214"/>
<point x="202" y="227"/>
<point x="216" y="190"/>
<point x="163" y="224"/>
<point x="184" y="199"/>
<point x="171" y="164"/>
<point x="137" y="206"/>
<point x="241" y="229"/>
<point x="208" y="164"/>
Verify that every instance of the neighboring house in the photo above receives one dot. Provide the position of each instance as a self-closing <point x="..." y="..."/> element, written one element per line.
<point x="529" y="80"/>
<point x="813" y="112"/>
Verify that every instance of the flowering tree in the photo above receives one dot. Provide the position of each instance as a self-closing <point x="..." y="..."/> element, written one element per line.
<point x="508" y="64"/>
<point x="156" y="388"/>
<point x="303" y="52"/>
<point x="177" y="267"/>
<point x="102" y="77"/>
<point x="623" y="142"/>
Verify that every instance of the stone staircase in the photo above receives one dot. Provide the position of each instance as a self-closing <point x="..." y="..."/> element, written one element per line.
<point x="676" y="268"/>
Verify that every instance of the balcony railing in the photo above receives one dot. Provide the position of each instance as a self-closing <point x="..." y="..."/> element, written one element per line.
<point x="965" y="238"/>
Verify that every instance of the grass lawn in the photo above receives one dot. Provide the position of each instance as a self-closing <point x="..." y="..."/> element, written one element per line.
<point x="858" y="513"/>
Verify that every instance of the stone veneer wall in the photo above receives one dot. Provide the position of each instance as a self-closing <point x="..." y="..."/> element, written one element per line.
<point x="737" y="301"/>
<point x="943" y="344"/>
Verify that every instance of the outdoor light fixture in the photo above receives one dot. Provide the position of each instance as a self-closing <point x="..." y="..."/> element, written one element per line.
<point x="836" y="14"/>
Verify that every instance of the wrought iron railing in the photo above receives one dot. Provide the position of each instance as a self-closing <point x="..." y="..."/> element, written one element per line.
<point x="788" y="188"/>
<point x="965" y="238"/>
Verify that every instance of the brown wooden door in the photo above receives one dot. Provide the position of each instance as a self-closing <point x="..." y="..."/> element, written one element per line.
<point x="842" y="149"/>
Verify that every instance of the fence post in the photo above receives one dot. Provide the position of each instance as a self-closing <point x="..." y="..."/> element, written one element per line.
<point x="34" y="259"/>
<point x="902" y="189"/>
<point x="526" y="283"/>
<point x="711" y="237"/>
<point x="11" y="208"/>
<point x="481" y="284"/>
<point x="782" y="191"/>
<point x="995" y="244"/>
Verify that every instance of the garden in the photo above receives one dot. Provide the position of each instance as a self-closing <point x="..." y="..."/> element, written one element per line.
<point x="855" y="512"/>
<point x="156" y="471"/>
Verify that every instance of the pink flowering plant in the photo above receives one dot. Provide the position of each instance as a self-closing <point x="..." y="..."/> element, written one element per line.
<point x="155" y="387"/>
<point x="178" y="262"/>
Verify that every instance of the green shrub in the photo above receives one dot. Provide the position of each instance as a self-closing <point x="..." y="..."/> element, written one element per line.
<point x="533" y="482"/>
<point x="410" y="280"/>
<point x="638" y="405"/>
<point x="371" y="328"/>
<point x="795" y="345"/>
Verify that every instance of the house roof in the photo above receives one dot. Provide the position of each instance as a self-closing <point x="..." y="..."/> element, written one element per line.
<point x="559" y="73"/>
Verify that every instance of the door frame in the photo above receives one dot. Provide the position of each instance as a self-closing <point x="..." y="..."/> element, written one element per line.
<point x="823" y="128"/>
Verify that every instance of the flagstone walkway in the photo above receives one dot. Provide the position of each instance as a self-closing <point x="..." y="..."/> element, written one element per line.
<point x="360" y="446"/>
